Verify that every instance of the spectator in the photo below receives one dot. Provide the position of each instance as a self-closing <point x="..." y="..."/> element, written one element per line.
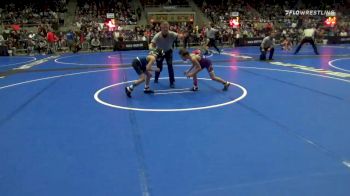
<point x="2" y="40"/>
<point x="95" y="44"/>
<point x="41" y="44"/>
<point x="51" y="40"/>
<point x="30" y="46"/>
<point x="70" y="36"/>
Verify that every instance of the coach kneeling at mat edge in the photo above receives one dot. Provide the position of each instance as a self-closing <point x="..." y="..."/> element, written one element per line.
<point x="164" y="40"/>
<point x="267" y="44"/>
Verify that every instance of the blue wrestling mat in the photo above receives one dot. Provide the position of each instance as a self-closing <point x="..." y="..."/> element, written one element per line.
<point x="67" y="127"/>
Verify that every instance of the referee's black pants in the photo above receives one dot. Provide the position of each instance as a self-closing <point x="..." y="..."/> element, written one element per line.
<point x="212" y="43"/>
<point x="306" y="40"/>
<point x="169" y="61"/>
<point x="263" y="53"/>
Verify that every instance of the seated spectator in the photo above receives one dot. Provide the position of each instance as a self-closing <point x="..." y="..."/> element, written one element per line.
<point x="95" y="44"/>
<point x="41" y="45"/>
<point x="62" y="42"/>
<point x="287" y="44"/>
<point x="77" y="42"/>
<point x="11" y="45"/>
<point x="30" y="46"/>
<point x="343" y="33"/>
<point x="2" y="40"/>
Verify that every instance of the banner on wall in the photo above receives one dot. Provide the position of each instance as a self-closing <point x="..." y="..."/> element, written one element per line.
<point x="171" y="17"/>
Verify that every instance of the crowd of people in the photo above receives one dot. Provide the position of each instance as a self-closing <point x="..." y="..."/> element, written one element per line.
<point x="103" y="38"/>
<point x="91" y="31"/>
<point x="267" y="15"/>
<point x="163" y="2"/>
<point x="32" y="12"/>
<point x="90" y="12"/>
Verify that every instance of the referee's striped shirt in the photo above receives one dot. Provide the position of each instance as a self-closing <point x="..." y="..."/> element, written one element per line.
<point x="268" y="42"/>
<point x="211" y="33"/>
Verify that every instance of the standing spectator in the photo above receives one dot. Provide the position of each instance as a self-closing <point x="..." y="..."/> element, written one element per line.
<point x="51" y="40"/>
<point x="70" y="36"/>
<point x="116" y="36"/>
<point x="77" y="43"/>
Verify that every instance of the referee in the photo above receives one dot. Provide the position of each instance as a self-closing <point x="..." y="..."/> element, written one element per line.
<point x="309" y="37"/>
<point x="268" y="44"/>
<point x="211" y="35"/>
<point x="164" y="40"/>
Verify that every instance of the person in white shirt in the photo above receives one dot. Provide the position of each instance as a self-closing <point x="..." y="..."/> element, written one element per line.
<point x="309" y="37"/>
